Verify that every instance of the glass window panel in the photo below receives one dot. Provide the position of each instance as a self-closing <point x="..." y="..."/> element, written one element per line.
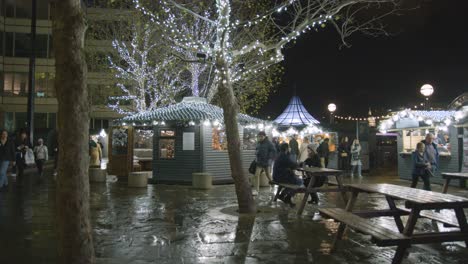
<point x="1" y="42"/>
<point x="41" y="46"/>
<point x="40" y="120"/>
<point x="219" y="141"/>
<point x="22" y="45"/>
<point x="105" y="124"/>
<point x="7" y="84"/>
<point x="50" y="85"/>
<point x="1" y="83"/>
<point x="23" y="8"/>
<point x="20" y="121"/>
<point x="20" y="84"/>
<point x="9" y="44"/>
<point x="166" y="148"/>
<point x="42" y="9"/>
<point x="52" y="120"/>
<point x="10" y="8"/>
<point x="9" y="122"/>
<point x="40" y="84"/>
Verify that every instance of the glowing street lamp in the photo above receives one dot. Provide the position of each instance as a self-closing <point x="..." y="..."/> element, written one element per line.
<point x="331" y="108"/>
<point x="427" y="90"/>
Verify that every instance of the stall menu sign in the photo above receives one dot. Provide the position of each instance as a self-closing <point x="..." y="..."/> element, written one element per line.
<point x="465" y="150"/>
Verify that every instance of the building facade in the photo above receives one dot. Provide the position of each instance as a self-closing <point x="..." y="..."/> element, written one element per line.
<point x="15" y="46"/>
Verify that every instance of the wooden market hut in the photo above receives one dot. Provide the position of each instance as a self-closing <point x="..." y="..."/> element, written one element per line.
<point x="448" y="128"/>
<point x="188" y="137"/>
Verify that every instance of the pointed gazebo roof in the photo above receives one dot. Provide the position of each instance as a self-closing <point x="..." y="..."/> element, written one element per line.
<point x="295" y="115"/>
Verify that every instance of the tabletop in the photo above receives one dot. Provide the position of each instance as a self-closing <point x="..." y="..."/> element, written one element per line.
<point x="413" y="196"/>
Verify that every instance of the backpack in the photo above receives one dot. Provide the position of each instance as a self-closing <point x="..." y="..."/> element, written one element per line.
<point x="29" y="157"/>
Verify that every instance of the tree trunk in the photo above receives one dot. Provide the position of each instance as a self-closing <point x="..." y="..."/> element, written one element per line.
<point x="230" y="108"/>
<point x="73" y="224"/>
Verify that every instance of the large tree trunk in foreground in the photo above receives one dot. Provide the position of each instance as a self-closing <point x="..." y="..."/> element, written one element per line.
<point x="74" y="228"/>
<point x="242" y="185"/>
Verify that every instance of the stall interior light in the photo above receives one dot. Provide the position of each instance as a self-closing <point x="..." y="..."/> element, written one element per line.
<point x="163" y="123"/>
<point x="103" y="133"/>
<point x="155" y="123"/>
<point x="206" y="122"/>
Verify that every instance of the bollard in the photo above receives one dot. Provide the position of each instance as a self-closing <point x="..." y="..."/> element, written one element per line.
<point x="138" y="178"/>
<point x="201" y="180"/>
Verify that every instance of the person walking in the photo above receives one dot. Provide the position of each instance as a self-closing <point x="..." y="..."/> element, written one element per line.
<point x="42" y="155"/>
<point x="344" y="153"/>
<point x="283" y="172"/>
<point x="22" y="145"/>
<point x="303" y="153"/>
<point x="294" y="148"/>
<point x="7" y="156"/>
<point x="431" y="154"/>
<point x="323" y="152"/>
<point x="264" y="154"/>
<point x="421" y="167"/>
<point x="356" y="158"/>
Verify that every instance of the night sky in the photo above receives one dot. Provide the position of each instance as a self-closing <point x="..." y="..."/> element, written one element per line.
<point x="429" y="45"/>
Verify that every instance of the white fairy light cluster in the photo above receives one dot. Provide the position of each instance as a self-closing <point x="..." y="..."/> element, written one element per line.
<point x="221" y="48"/>
<point x="145" y="85"/>
<point x="438" y="119"/>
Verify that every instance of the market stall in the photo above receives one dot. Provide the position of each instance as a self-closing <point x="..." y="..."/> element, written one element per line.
<point x="189" y="137"/>
<point x="411" y="127"/>
<point x="296" y="120"/>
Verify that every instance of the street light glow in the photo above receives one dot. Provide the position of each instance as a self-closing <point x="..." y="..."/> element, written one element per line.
<point x="332" y="107"/>
<point x="427" y="90"/>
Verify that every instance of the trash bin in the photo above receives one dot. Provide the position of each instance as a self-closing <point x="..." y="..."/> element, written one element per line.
<point x="202" y="180"/>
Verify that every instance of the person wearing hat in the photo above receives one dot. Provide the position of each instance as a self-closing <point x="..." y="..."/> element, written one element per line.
<point x="264" y="154"/>
<point x="42" y="155"/>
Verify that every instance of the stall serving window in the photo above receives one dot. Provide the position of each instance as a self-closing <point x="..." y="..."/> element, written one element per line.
<point x="167" y="143"/>
<point x="411" y="139"/>
<point x="219" y="140"/>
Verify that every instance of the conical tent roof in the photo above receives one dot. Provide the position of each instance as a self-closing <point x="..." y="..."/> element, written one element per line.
<point x="295" y="115"/>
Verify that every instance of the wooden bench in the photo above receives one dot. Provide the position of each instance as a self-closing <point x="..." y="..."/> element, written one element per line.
<point x="381" y="236"/>
<point x="281" y="186"/>
<point x="448" y="176"/>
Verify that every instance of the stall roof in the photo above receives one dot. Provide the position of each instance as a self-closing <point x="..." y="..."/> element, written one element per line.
<point x="190" y="109"/>
<point x="295" y="115"/>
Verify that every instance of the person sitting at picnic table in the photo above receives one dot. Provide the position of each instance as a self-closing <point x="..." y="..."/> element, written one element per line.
<point x="313" y="160"/>
<point x="421" y="167"/>
<point x="283" y="172"/>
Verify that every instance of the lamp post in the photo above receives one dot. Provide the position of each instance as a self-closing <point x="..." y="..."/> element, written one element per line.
<point x="331" y="108"/>
<point x="426" y="90"/>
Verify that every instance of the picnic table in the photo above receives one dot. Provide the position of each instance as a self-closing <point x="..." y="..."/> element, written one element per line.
<point x="417" y="204"/>
<point x="448" y="176"/>
<point x="314" y="173"/>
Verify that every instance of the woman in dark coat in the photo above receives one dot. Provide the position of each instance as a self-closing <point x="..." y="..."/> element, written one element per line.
<point x="283" y="172"/>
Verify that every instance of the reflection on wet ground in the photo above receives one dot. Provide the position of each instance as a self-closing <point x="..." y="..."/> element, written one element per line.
<point x="177" y="224"/>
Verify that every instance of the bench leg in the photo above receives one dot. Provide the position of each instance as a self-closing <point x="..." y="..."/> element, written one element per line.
<point x="399" y="254"/>
<point x="306" y="196"/>
<point x="342" y="227"/>
<point x="340" y="186"/>
<point x="446" y="185"/>
<point x="398" y="222"/>
<point x="462" y="222"/>
<point x="277" y="193"/>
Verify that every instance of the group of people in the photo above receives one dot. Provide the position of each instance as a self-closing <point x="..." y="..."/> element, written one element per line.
<point x="425" y="161"/>
<point x="350" y="155"/>
<point x="17" y="154"/>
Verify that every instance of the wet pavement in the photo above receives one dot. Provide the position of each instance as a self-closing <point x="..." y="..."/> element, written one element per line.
<point x="178" y="224"/>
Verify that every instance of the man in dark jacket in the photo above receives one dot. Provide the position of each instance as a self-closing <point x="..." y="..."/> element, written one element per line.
<point x="323" y="152"/>
<point x="7" y="156"/>
<point x="283" y="172"/>
<point x="294" y="148"/>
<point x="431" y="154"/>
<point x="264" y="154"/>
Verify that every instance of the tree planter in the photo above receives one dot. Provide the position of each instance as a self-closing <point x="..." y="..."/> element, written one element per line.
<point x="97" y="175"/>
<point x="138" y="178"/>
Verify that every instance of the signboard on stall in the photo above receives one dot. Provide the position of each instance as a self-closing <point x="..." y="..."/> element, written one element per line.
<point x="407" y="123"/>
<point x="465" y="150"/>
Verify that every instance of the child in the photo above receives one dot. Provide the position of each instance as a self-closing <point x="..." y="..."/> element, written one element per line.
<point x="420" y="167"/>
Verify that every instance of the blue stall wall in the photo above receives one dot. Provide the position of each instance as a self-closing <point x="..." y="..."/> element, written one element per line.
<point x="446" y="163"/>
<point x="216" y="162"/>
<point x="185" y="162"/>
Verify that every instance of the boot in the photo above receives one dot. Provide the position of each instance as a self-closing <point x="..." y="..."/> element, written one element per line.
<point x="287" y="200"/>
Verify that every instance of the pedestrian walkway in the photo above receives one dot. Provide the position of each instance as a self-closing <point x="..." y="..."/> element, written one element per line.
<point x="177" y="224"/>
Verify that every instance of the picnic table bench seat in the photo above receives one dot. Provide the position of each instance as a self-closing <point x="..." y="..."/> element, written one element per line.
<point x="295" y="187"/>
<point x="381" y="236"/>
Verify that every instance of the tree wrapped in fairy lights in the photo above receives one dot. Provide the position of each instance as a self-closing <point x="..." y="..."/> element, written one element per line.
<point x="238" y="50"/>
